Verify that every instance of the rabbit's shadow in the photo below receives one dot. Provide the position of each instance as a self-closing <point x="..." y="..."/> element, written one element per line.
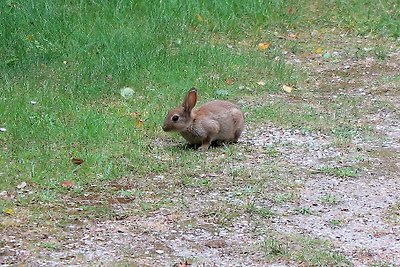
<point x="189" y="147"/>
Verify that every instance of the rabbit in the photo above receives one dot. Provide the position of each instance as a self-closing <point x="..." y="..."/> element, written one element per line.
<point x="214" y="122"/>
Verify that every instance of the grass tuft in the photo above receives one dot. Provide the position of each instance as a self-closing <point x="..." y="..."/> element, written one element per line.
<point x="303" y="250"/>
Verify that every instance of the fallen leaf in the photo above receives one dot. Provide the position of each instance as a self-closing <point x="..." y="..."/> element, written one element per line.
<point x="3" y="130"/>
<point x="139" y="123"/>
<point x="199" y="18"/>
<point x="263" y="46"/>
<point x="229" y="81"/>
<point x="319" y="50"/>
<point x="287" y="89"/>
<point x="261" y="83"/>
<point x="292" y="36"/>
<point x="77" y="161"/>
<point x="67" y="184"/>
<point x="8" y="211"/>
<point x="29" y="37"/>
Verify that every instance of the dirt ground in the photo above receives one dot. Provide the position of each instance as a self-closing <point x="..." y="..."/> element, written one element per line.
<point x="208" y="228"/>
<point x="371" y="234"/>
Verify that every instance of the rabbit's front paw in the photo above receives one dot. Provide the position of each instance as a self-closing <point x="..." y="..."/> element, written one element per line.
<point x="203" y="147"/>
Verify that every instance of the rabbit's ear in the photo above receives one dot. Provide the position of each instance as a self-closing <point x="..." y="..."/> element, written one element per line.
<point x="190" y="100"/>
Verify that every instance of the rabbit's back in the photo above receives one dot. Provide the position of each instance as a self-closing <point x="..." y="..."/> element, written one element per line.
<point x="221" y="117"/>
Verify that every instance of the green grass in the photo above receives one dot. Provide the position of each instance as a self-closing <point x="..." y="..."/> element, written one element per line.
<point x="260" y="211"/>
<point x="303" y="250"/>
<point x="336" y="120"/>
<point x="335" y="223"/>
<point x="303" y="211"/>
<point x="393" y="213"/>
<point x="282" y="198"/>
<point x="49" y="245"/>
<point x="342" y="172"/>
<point x="330" y="199"/>
<point x="73" y="59"/>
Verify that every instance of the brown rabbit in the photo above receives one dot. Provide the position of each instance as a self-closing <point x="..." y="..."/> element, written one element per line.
<point x="216" y="121"/>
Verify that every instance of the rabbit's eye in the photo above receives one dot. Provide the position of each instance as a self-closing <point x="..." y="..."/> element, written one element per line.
<point x="175" y="118"/>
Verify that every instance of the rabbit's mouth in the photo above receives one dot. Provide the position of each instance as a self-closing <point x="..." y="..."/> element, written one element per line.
<point x="167" y="128"/>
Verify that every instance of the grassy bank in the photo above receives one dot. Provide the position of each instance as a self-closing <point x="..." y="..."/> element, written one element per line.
<point x="63" y="65"/>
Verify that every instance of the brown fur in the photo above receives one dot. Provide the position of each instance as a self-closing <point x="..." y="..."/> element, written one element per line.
<point x="216" y="121"/>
